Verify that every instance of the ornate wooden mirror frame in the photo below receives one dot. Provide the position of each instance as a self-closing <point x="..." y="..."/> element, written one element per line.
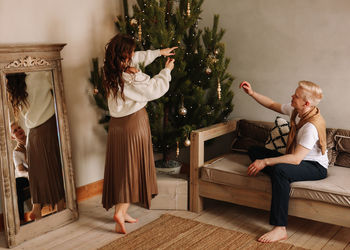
<point x="28" y="58"/>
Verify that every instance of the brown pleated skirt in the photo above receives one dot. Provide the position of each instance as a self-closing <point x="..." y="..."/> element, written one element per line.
<point x="130" y="175"/>
<point x="44" y="160"/>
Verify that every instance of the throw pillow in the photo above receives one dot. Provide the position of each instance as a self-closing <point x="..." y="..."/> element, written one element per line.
<point x="278" y="137"/>
<point x="343" y="148"/>
<point x="250" y="133"/>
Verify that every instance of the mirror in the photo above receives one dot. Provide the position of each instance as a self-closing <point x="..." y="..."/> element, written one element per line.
<point x="36" y="170"/>
<point x="36" y="152"/>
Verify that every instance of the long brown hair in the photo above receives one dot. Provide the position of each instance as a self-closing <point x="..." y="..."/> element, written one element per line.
<point x="117" y="57"/>
<point x="17" y="91"/>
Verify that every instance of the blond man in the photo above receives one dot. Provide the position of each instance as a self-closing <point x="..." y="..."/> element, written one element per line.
<point x="306" y="154"/>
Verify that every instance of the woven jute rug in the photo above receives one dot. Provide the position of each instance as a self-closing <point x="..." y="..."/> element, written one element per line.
<point x="171" y="232"/>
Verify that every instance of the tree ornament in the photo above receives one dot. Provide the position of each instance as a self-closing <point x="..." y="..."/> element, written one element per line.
<point x="133" y="21"/>
<point x="177" y="149"/>
<point x="140" y="32"/>
<point x="208" y="70"/>
<point x="216" y="52"/>
<point x="182" y="109"/>
<point x="95" y="91"/>
<point x="187" y="142"/>
<point x="188" y="9"/>
<point x="219" y="90"/>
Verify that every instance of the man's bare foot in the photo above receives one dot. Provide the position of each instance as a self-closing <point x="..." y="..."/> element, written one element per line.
<point x="276" y="234"/>
<point x="129" y="219"/>
<point x="120" y="223"/>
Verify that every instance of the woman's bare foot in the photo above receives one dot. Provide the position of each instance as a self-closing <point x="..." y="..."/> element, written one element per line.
<point x="35" y="215"/>
<point x="276" y="234"/>
<point x="129" y="219"/>
<point x="120" y="223"/>
<point x="36" y="212"/>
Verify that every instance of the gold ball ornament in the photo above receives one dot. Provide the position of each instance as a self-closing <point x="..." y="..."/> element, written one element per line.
<point x="133" y="21"/>
<point x="187" y="142"/>
<point x="208" y="70"/>
<point x="95" y="91"/>
<point x="182" y="111"/>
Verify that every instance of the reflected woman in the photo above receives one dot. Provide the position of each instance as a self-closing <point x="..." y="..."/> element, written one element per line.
<point x="31" y="95"/>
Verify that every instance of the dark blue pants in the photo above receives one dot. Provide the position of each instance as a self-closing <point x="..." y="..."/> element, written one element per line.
<point x="22" y="195"/>
<point x="281" y="176"/>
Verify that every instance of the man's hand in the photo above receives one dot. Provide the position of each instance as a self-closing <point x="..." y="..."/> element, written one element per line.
<point x="256" y="167"/>
<point x="246" y="87"/>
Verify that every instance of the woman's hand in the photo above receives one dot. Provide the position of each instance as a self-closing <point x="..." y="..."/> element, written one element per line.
<point x="168" y="51"/>
<point x="170" y="63"/>
<point x="247" y="87"/>
<point x="256" y="167"/>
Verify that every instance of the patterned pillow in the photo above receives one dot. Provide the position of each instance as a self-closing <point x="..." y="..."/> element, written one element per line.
<point x="278" y="137"/>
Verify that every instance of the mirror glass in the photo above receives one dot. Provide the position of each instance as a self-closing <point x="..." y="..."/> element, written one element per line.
<point x="36" y="151"/>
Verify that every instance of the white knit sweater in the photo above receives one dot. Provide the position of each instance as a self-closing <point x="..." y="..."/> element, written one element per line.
<point x="139" y="88"/>
<point x="40" y="100"/>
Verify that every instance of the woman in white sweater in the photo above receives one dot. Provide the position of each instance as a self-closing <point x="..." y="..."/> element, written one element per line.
<point x="130" y="175"/>
<point x="31" y="95"/>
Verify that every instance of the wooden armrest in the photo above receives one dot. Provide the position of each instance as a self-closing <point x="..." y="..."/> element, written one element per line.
<point x="199" y="136"/>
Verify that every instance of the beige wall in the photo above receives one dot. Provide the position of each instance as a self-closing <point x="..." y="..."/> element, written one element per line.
<point x="276" y="43"/>
<point x="85" y="26"/>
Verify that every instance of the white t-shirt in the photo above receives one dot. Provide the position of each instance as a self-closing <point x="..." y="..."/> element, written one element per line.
<point x="19" y="158"/>
<point x="139" y="88"/>
<point x="308" y="138"/>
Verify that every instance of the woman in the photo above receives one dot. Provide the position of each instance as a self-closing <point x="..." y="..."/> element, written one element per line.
<point x="31" y="95"/>
<point x="306" y="154"/>
<point x="130" y="175"/>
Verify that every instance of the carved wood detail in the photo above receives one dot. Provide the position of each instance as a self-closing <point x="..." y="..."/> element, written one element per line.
<point x="27" y="61"/>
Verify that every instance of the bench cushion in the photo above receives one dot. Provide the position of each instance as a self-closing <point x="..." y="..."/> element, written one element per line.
<point x="231" y="170"/>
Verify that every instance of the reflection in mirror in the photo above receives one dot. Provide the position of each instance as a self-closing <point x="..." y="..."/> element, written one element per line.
<point x="36" y="151"/>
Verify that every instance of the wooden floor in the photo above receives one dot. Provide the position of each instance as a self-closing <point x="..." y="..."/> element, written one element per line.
<point x="95" y="227"/>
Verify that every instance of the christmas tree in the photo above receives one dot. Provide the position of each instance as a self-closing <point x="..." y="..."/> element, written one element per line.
<point x="199" y="93"/>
